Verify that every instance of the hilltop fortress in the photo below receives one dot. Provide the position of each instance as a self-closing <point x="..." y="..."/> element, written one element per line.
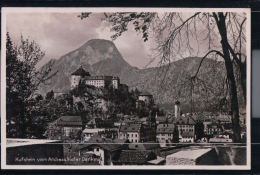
<point x="98" y="81"/>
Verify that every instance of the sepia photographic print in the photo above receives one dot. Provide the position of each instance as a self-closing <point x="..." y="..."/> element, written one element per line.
<point x="125" y="88"/>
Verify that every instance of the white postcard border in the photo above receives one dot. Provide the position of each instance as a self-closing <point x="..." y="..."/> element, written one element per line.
<point x="7" y="10"/>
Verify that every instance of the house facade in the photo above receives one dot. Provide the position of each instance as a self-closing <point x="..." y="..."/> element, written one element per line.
<point x="186" y="129"/>
<point x="65" y="128"/>
<point x="165" y="134"/>
<point x="214" y="129"/>
<point x="105" y="151"/>
<point x="132" y="132"/>
<point x="145" y="98"/>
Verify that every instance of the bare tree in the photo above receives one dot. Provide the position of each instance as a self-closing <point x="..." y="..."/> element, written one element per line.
<point x="215" y="35"/>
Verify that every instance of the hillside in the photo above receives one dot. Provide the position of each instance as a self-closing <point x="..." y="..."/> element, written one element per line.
<point x="166" y="83"/>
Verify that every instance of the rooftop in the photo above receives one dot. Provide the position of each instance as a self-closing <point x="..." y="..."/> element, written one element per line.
<point x="165" y="128"/>
<point x="81" y="72"/>
<point x="69" y="121"/>
<point x="99" y="77"/>
<point x="161" y="119"/>
<point x="145" y="93"/>
<point x="188" y="120"/>
<point x="131" y="127"/>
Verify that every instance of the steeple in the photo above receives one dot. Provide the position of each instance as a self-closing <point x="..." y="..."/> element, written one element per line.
<point x="177" y="109"/>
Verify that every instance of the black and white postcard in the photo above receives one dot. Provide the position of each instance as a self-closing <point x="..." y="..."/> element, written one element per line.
<point x="125" y="88"/>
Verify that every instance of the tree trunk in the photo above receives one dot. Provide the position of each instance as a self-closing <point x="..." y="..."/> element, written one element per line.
<point x="220" y="20"/>
<point x="242" y="68"/>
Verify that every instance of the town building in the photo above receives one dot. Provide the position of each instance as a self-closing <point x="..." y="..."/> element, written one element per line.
<point x="160" y="119"/>
<point x="104" y="150"/>
<point x="186" y="129"/>
<point x="221" y="138"/>
<point x="187" y="137"/>
<point x="206" y="123"/>
<point x="65" y="128"/>
<point x="99" y="123"/>
<point x="88" y="133"/>
<point x="115" y="82"/>
<point x="99" y="127"/>
<point x="214" y="129"/>
<point x="146" y="98"/>
<point x="165" y="134"/>
<point x="132" y="132"/>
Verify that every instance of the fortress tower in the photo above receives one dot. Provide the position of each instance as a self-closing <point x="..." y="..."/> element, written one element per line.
<point x="77" y="75"/>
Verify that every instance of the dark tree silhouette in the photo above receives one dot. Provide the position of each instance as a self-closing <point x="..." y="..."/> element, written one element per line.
<point x="49" y="95"/>
<point x="23" y="80"/>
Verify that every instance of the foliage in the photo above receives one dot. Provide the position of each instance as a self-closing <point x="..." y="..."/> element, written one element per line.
<point x="199" y="129"/>
<point x="22" y="80"/>
<point x="86" y="101"/>
<point x="175" y="135"/>
<point x="120" y="101"/>
<point x="49" y="95"/>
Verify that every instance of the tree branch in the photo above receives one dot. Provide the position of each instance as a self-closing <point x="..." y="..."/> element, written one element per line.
<point x="205" y="56"/>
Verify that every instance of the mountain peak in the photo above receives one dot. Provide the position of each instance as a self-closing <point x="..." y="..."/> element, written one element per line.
<point x="99" y="44"/>
<point x="98" y="56"/>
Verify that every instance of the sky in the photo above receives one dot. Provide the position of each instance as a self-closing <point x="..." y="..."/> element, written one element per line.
<point x="60" y="33"/>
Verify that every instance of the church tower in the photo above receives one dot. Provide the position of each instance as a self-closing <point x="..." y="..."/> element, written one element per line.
<point x="177" y="109"/>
